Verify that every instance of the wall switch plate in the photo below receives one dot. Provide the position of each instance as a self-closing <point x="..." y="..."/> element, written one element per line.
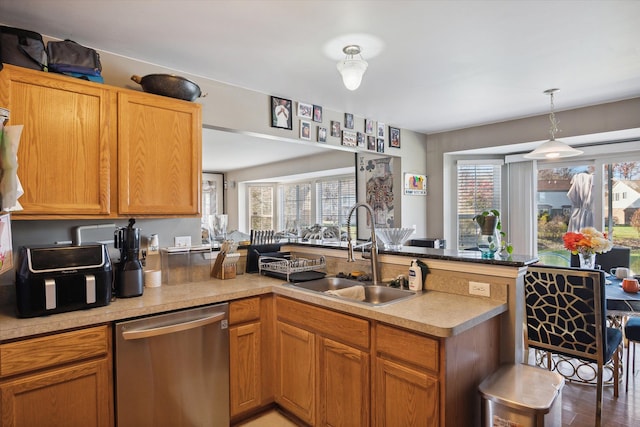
<point x="480" y="289"/>
<point x="182" y="241"/>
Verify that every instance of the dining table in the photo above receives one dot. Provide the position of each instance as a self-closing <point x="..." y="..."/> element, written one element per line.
<point x="619" y="302"/>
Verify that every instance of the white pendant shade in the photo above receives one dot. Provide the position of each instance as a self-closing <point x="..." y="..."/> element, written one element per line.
<point x="553" y="149"/>
<point x="352" y="69"/>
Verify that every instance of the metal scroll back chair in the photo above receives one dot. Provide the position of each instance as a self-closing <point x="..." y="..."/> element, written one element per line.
<point x="566" y="314"/>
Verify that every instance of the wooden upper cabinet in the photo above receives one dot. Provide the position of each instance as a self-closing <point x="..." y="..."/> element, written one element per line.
<point x="65" y="151"/>
<point x="159" y="155"/>
<point x="90" y="150"/>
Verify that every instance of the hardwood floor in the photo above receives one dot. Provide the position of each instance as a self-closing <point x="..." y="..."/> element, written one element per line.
<point x="578" y="402"/>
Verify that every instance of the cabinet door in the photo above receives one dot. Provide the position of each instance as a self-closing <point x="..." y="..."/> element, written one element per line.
<point x="159" y="155"/>
<point x="245" y="367"/>
<point x="404" y="397"/>
<point x="77" y="395"/>
<point x="344" y="385"/>
<point x="64" y="154"/>
<point x="296" y="382"/>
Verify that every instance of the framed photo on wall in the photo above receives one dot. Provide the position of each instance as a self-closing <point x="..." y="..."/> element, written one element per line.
<point x="380" y="130"/>
<point x="380" y="145"/>
<point x="322" y="134"/>
<point x="349" y="138"/>
<point x="305" y="130"/>
<point x="305" y="110"/>
<point x="394" y="137"/>
<point x="368" y="126"/>
<point x="361" y="139"/>
<point x="317" y="113"/>
<point x="281" y="113"/>
<point x="348" y="121"/>
<point x="335" y="129"/>
<point x="371" y="143"/>
<point x="415" y="184"/>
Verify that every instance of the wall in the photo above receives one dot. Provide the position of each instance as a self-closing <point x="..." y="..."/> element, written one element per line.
<point x="582" y="121"/>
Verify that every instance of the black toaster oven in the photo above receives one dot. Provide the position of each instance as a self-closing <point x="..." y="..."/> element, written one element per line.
<point x="61" y="278"/>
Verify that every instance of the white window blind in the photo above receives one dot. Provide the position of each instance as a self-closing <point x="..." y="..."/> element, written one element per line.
<point x="261" y="207"/>
<point x="296" y="205"/>
<point x="335" y="198"/>
<point x="479" y="189"/>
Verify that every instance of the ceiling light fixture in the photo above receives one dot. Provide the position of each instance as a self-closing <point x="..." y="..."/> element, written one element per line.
<point x="553" y="149"/>
<point x="352" y="69"/>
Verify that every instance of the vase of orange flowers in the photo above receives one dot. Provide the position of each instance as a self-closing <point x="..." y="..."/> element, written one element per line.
<point x="586" y="244"/>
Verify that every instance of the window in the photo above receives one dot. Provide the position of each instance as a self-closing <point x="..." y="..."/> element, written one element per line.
<point x="479" y="189"/>
<point x="325" y="202"/>
<point x="211" y="204"/>
<point x="335" y="198"/>
<point x="296" y="206"/>
<point x="619" y="184"/>
<point x="261" y="207"/>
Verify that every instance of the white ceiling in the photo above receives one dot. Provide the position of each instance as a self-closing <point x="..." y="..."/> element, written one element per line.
<point x="440" y="65"/>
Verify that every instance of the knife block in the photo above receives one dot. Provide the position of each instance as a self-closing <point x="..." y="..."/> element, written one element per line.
<point x="225" y="268"/>
<point x="227" y="271"/>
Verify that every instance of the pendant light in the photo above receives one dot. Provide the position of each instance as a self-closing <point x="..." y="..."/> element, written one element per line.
<point x="553" y="149"/>
<point x="351" y="68"/>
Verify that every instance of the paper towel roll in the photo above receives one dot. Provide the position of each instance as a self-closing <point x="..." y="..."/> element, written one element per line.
<point x="152" y="278"/>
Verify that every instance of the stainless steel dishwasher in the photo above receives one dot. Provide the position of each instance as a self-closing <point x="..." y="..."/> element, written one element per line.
<point x="173" y="369"/>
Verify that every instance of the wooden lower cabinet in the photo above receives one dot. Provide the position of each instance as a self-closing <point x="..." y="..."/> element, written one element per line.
<point x="407" y="390"/>
<point x="296" y="378"/>
<point x="344" y="393"/>
<point x="405" y="396"/>
<point x="251" y="355"/>
<point x="323" y="365"/>
<point x="58" y="380"/>
<point x="335" y="369"/>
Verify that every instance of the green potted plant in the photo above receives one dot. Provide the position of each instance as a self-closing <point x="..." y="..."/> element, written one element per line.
<point x="491" y="238"/>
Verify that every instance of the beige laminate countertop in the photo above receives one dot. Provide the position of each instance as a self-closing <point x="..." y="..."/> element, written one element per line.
<point x="435" y="313"/>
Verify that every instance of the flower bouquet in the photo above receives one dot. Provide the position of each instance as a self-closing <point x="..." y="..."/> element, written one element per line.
<point x="586" y="243"/>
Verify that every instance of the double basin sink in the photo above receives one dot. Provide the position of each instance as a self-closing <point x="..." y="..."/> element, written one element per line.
<point x="374" y="295"/>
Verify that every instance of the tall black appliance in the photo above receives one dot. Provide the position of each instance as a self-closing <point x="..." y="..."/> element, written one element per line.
<point x="129" y="282"/>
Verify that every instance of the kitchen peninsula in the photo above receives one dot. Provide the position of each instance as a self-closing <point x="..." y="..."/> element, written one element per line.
<point x="440" y="344"/>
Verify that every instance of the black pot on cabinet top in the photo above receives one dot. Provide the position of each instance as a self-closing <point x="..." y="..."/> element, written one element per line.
<point x="169" y="85"/>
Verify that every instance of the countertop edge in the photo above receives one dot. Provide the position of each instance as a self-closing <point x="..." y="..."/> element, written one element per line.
<point x="428" y="313"/>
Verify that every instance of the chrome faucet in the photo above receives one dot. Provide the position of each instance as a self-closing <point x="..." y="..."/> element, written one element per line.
<point x="375" y="265"/>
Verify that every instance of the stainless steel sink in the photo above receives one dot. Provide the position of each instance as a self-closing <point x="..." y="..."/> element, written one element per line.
<point x="374" y="295"/>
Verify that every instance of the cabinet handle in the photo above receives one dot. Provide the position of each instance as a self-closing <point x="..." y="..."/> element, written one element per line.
<point x="137" y="334"/>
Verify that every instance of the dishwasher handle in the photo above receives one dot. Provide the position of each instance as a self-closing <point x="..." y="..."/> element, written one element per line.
<point x="137" y="334"/>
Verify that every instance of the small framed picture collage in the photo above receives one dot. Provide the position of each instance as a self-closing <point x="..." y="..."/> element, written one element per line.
<point x="364" y="133"/>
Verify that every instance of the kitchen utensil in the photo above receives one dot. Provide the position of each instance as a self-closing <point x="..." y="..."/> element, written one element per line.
<point x="169" y="85"/>
<point x="129" y="274"/>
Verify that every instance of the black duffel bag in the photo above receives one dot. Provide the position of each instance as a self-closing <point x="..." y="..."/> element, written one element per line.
<point x="70" y="57"/>
<point x="23" y="48"/>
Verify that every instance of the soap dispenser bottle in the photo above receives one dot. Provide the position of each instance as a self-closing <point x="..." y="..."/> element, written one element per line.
<point x="415" y="276"/>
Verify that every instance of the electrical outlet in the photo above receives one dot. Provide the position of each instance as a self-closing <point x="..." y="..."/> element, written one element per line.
<point x="479" y="288"/>
<point x="182" y="241"/>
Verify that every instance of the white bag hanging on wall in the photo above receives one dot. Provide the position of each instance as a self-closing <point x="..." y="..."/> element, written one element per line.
<point x="10" y="187"/>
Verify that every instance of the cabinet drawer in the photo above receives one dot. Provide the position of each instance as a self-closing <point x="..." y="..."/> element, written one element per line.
<point x="407" y="346"/>
<point x="53" y="350"/>
<point x="244" y="310"/>
<point x="341" y="327"/>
